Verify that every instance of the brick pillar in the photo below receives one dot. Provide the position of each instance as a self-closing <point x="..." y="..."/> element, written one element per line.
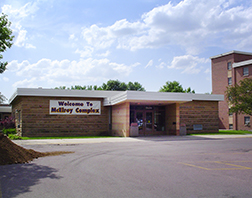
<point x="177" y="119"/>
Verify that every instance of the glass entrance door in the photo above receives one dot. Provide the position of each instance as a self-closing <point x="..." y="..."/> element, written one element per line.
<point x="145" y="122"/>
<point x="148" y="123"/>
<point x="140" y="122"/>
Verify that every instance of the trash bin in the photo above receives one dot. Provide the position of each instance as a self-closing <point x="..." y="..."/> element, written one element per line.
<point x="134" y="129"/>
<point x="182" y="130"/>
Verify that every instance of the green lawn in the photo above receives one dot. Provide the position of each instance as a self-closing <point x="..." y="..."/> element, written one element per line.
<point x="226" y="132"/>
<point x="67" y="137"/>
<point x="221" y="132"/>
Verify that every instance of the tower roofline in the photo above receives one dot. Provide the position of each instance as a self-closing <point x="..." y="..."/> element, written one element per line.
<point x="231" y="52"/>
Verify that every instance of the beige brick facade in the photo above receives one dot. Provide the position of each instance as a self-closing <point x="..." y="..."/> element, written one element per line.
<point x="203" y="113"/>
<point x="31" y="109"/>
<point x="33" y="119"/>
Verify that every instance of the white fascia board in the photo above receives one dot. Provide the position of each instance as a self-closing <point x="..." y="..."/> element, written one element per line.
<point x="142" y="96"/>
<point x="243" y="63"/>
<point x="208" y="97"/>
<point x="120" y="97"/>
<point x="158" y="96"/>
<point x="5" y="109"/>
<point x="62" y="93"/>
<point x="231" y="52"/>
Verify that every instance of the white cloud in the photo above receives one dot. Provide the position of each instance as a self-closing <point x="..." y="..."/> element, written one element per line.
<point x="149" y="64"/>
<point x="187" y="63"/>
<point x="25" y="83"/>
<point x="49" y="72"/>
<point x="161" y="65"/>
<point x="5" y="79"/>
<point x="105" y="54"/>
<point x="191" y="24"/>
<point x="87" y="52"/>
<point x="17" y="17"/>
<point x="207" y="71"/>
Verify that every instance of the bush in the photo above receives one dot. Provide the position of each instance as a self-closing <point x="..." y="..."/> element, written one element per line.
<point x="9" y="131"/>
<point x="8" y="123"/>
<point x="14" y="137"/>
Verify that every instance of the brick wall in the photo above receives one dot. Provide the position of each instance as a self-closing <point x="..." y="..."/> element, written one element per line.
<point x="220" y="83"/>
<point x="219" y="86"/>
<point x="172" y="118"/>
<point x="35" y="119"/>
<point x="121" y="120"/>
<point x="203" y="113"/>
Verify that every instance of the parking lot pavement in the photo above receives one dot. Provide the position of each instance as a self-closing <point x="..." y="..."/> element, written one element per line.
<point x="123" y="139"/>
<point x="161" y="166"/>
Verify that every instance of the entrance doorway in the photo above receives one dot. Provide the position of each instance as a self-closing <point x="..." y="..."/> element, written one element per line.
<point x="145" y="122"/>
<point x="150" y="119"/>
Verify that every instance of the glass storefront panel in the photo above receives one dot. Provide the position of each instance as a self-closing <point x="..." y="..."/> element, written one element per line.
<point x="159" y="120"/>
<point x="148" y="118"/>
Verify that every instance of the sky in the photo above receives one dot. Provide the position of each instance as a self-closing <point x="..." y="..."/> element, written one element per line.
<point x="80" y="42"/>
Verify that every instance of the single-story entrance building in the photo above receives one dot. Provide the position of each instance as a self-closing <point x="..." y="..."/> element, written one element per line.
<point x="55" y="112"/>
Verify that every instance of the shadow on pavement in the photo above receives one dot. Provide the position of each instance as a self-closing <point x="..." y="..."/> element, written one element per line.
<point x="16" y="179"/>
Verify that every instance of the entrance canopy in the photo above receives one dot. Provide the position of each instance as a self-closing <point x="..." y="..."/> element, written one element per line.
<point x="160" y="98"/>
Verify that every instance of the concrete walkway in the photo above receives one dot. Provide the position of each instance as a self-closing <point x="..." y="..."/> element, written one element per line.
<point x="123" y="139"/>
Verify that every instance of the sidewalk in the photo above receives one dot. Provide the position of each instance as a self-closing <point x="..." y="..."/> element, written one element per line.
<point x="123" y="139"/>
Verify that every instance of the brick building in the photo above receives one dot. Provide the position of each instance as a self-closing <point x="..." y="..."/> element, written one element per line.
<point x="53" y="112"/>
<point x="228" y="69"/>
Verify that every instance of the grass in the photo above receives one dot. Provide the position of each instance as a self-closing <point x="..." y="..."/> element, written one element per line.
<point x="67" y="137"/>
<point x="221" y="132"/>
<point x="226" y="132"/>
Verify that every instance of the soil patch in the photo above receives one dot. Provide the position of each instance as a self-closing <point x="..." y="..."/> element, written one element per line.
<point x="11" y="153"/>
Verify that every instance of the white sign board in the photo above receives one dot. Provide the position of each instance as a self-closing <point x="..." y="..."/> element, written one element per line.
<point x="74" y="107"/>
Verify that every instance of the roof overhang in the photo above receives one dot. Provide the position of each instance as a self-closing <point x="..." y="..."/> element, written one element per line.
<point x="243" y="63"/>
<point x="117" y="97"/>
<point x="159" y="97"/>
<point x="5" y="109"/>
<point x="231" y="52"/>
<point x="61" y="93"/>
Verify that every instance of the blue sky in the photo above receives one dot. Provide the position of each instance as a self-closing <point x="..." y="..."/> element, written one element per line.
<point x="79" y="42"/>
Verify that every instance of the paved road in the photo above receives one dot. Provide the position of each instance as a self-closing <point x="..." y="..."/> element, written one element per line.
<point x="189" y="167"/>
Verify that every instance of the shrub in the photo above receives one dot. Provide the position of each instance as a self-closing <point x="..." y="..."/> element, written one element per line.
<point x="14" y="137"/>
<point x="8" y="123"/>
<point x="9" y="131"/>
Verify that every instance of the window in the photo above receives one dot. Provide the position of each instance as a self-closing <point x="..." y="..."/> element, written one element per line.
<point x="230" y="126"/>
<point x="197" y="127"/>
<point x="245" y="71"/>
<point x="229" y="81"/>
<point x="246" y="120"/>
<point x="229" y="66"/>
<point x="230" y="113"/>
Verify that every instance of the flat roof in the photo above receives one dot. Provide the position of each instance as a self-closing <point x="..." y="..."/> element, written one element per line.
<point x="62" y="93"/>
<point x="5" y="108"/>
<point x="243" y="63"/>
<point x="231" y="52"/>
<point x="117" y="97"/>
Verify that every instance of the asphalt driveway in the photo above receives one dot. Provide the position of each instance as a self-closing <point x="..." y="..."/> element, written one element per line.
<point x="134" y="167"/>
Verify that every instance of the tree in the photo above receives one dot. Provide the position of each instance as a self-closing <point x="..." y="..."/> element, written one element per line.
<point x="240" y="97"/>
<point x="116" y="85"/>
<point x="5" y="42"/>
<point x="5" y="39"/>
<point x="135" y="86"/>
<point x="113" y="85"/>
<point x="2" y="98"/>
<point x="175" y="87"/>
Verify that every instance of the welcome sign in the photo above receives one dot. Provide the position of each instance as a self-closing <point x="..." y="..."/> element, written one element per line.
<point x="74" y="107"/>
